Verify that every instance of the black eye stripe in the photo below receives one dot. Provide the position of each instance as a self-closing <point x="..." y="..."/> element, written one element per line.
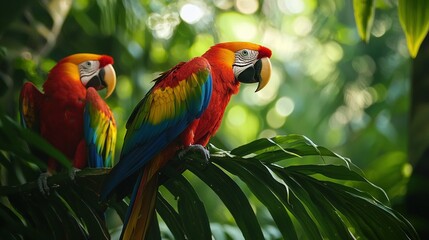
<point x="84" y="72"/>
<point x="242" y="64"/>
<point x="82" y="75"/>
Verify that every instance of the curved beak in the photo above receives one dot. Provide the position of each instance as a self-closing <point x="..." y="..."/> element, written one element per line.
<point x="260" y="72"/>
<point x="264" y="73"/>
<point x="109" y="79"/>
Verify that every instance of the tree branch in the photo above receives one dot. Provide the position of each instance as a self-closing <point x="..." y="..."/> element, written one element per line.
<point x="55" y="181"/>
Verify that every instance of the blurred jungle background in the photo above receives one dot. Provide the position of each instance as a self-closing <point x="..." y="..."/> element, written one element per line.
<point x="327" y="84"/>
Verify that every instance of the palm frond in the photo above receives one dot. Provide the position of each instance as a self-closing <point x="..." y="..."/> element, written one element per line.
<point x="320" y="197"/>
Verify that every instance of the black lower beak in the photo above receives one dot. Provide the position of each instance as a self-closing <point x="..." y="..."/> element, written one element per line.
<point x="251" y="74"/>
<point x="97" y="81"/>
<point x="259" y="72"/>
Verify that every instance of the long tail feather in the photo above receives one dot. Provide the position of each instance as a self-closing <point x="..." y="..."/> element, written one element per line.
<point x="142" y="207"/>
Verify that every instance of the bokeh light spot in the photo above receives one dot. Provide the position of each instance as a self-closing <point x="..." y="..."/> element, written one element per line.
<point x="334" y="51"/>
<point x="285" y="106"/>
<point x="124" y="87"/>
<point x="407" y="170"/>
<point x="191" y="13"/>
<point x="237" y="115"/>
<point x="157" y="53"/>
<point x="268" y="133"/>
<point x="302" y="26"/>
<point x="291" y="6"/>
<point x="274" y="119"/>
<point x="247" y="6"/>
<point x="201" y="44"/>
<point x="237" y="26"/>
<point x="246" y="30"/>
<point x="163" y="26"/>
<point x="364" y="65"/>
<point x="266" y="95"/>
<point x="224" y="4"/>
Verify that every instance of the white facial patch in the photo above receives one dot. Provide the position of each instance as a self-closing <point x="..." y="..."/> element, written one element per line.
<point x="87" y="70"/>
<point x="243" y="59"/>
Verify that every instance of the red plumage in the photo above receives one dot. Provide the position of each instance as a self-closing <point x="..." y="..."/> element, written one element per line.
<point x="228" y="64"/>
<point x="58" y="113"/>
<point x="61" y="121"/>
<point x="225" y="84"/>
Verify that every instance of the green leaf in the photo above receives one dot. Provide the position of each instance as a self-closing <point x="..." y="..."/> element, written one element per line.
<point x="298" y="210"/>
<point x="364" y="11"/>
<point x="70" y="223"/>
<point x="120" y="208"/>
<point x="329" y="219"/>
<point x="9" y="12"/>
<point x="376" y="221"/>
<point x="349" y="202"/>
<point x="232" y="196"/>
<point x="288" y="198"/>
<point x="153" y="231"/>
<point x="170" y="217"/>
<point x="257" y="178"/>
<point x="269" y="144"/>
<point x="36" y="141"/>
<point x="414" y="18"/>
<point x="91" y="218"/>
<point x="191" y="209"/>
<point x="11" y="130"/>
<point x="338" y="173"/>
<point x="270" y="150"/>
<point x="305" y="201"/>
<point x="11" y="226"/>
<point x="35" y="216"/>
<point x="11" y="142"/>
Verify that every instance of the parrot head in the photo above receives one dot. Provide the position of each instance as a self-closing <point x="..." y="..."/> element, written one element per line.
<point x="251" y="62"/>
<point x="91" y="70"/>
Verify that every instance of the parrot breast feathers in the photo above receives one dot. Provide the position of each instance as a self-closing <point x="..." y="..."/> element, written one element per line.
<point x="178" y="97"/>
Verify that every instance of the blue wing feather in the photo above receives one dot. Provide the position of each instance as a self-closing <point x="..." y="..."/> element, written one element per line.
<point x="99" y="131"/>
<point x="144" y="139"/>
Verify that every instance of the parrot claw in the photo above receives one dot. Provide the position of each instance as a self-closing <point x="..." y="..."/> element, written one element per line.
<point x="42" y="182"/>
<point x="195" y="148"/>
<point x="72" y="173"/>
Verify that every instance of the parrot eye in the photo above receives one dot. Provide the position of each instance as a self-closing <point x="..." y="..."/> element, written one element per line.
<point x="245" y="55"/>
<point x="88" y="66"/>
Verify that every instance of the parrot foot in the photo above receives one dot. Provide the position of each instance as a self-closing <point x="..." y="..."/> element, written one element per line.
<point x="72" y="173"/>
<point x="42" y="183"/>
<point x="195" y="148"/>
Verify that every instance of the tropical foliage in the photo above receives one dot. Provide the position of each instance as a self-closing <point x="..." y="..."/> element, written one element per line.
<point x="315" y="195"/>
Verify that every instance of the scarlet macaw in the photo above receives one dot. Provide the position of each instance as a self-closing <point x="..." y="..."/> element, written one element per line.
<point x="71" y="115"/>
<point x="182" y="110"/>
